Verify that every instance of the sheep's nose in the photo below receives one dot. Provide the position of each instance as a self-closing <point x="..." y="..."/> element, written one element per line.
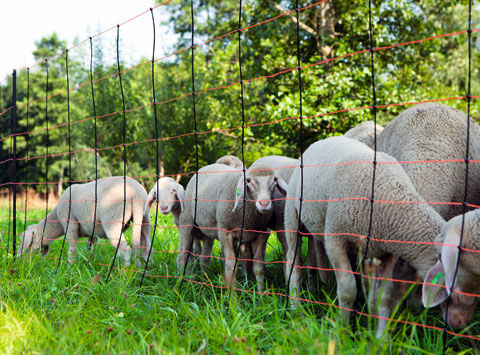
<point x="264" y="203"/>
<point x="164" y="209"/>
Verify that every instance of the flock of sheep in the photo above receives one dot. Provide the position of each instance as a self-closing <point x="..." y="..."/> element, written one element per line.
<point x="414" y="229"/>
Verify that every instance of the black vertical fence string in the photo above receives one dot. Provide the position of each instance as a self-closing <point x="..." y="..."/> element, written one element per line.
<point x="237" y="253"/>
<point x="124" y="153"/>
<point x="10" y="152"/>
<point x="196" y="143"/>
<point x="91" y="237"/>
<point x="46" y="152"/>
<point x="69" y="162"/>
<point x="467" y="160"/>
<point x="299" y="70"/>
<point x="374" y="113"/>
<point x="157" y="168"/>
<point x="27" y="155"/>
<point x="14" y="172"/>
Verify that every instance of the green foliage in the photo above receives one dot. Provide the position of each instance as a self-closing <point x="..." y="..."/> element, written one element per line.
<point x="334" y="85"/>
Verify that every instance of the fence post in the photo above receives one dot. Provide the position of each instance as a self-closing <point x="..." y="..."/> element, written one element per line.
<point x="14" y="131"/>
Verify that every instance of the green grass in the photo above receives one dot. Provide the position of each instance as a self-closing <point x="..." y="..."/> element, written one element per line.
<point x="66" y="311"/>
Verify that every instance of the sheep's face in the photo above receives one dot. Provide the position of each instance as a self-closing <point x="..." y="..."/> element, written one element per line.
<point x="170" y="193"/>
<point x="31" y="241"/>
<point x="461" y="306"/>
<point x="260" y="188"/>
<point x="441" y="276"/>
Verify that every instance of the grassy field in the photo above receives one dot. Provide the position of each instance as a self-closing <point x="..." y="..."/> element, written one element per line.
<point x="72" y="310"/>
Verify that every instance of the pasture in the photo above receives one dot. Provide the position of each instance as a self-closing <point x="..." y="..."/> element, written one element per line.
<point x="73" y="310"/>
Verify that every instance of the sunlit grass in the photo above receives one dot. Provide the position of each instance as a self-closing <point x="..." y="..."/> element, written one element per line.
<point x="73" y="310"/>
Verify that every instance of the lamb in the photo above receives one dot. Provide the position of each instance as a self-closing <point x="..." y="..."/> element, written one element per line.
<point x="344" y="187"/>
<point x="220" y="212"/>
<point x="170" y="196"/>
<point x="467" y="280"/>
<point x="365" y="132"/>
<point x="433" y="132"/>
<point x="109" y="216"/>
<point x="284" y="166"/>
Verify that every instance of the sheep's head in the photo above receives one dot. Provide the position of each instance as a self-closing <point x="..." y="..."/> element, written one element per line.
<point x="170" y="193"/>
<point x="436" y="288"/>
<point x="260" y="184"/>
<point x="32" y="241"/>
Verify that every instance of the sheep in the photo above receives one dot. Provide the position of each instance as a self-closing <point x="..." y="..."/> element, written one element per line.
<point x="284" y="166"/>
<point x="170" y="196"/>
<point x="433" y="132"/>
<point x="467" y="279"/>
<point x="109" y="216"/>
<point x="365" y="132"/>
<point x="220" y="212"/>
<point x="338" y="172"/>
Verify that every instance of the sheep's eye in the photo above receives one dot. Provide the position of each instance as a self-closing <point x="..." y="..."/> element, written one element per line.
<point x="275" y="179"/>
<point x="249" y="181"/>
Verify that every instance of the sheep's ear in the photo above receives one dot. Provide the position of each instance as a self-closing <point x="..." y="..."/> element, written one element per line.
<point x="282" y="185"/>
<point x="27" y="241"/>
<point x="45" y="249"/>
<point x="152" y="196"/>
<point x="180" y="195"/>
<point x="239" y="191"/>
<point x="432" y="291"/>
<point x="450" y="255"/>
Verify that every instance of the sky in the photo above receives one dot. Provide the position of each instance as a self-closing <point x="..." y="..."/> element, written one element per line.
<point x="24" y="22"/>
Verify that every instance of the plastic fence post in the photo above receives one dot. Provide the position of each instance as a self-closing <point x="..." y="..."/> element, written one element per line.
<point x="14" y="187"/>
<point x="299" y="69"/>
<point x="69" y="162"/>
<point x="189" y="251"/>
<point x="124" y="153"/>
<point x="467" y="157"/>
<point x="157" y="168"/>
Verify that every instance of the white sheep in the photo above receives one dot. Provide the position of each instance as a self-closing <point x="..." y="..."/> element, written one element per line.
<point x="220" y="212"/>
<point x="426" y="135"/>
<point x="170" y="196"/>
<point x="467" y="279"/>
<point x="108" y="222"/>
<point x="284" y="166"/>
<point x="337" y="190"/>
<point x="365" y="132"/>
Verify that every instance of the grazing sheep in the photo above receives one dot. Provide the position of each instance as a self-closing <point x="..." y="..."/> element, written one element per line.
<point x="109" y="216"/>
<point x="365" y="132"/>
<point x="435" y="132"/>
<point x="336" y="204"/>
<point x="170" y="196"/>
<point x="468" y="275"/>
<point x="220" y="212"/>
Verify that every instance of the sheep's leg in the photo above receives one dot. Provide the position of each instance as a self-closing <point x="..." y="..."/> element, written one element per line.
<point x="336" y="248"/>
<point x="283" y="241"/>
<point x="311" y="261"/>
<point x="294" y="255"/>
<point x="206" y="251"/>
<point x="385" y="293"/>
<point x="247" y="253"/>
<point x="115" y="235"/>
<point x="226" y="240"/>
<point x="145" y="241"/>
<point x="186" y="239"/>
<point x="321" y="258"/>
<point x="259" y="245"/>
<point x="72" y="238"/>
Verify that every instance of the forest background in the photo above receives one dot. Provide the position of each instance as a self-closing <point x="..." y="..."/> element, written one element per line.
<point x="337" y="92"/>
